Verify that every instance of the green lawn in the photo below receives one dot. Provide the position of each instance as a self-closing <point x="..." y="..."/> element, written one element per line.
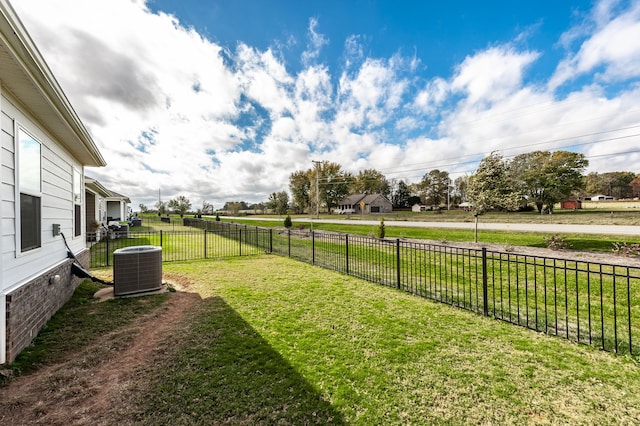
<point x="293" y="344"/>
<point x="276" y="341"/>
<point x="587" y="242"/>
<point x="178" y="244"/>
<point x="615" y="215"/>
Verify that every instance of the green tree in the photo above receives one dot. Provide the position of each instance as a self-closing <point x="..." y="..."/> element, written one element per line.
<point x="615" y="184"/>
<point x="460" y="186"/>
<point x="371" y="181"/>
<point x="546" y="178"/>
<point x="161" y="206"/>
<point x="401" y="195"/>
<point x="180" y="205"/>
<point x="300" y="187"/>
<point x="492" y="187"/>
<point x="333" y="184"/>
<point x="434" y="186"/>
<point x="143" y="208"/>
<point x="235" y="206"/>
<point x="278" y="202"/>
<point x="635" y="187"/>
<point x="207" y="208"/>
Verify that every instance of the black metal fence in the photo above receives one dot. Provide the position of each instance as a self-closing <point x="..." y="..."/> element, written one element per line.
<point x="179" y="245"/>
<point x="591" y="303"/>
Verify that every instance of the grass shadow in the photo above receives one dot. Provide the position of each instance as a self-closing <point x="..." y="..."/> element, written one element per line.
<point x="220" y="370"/>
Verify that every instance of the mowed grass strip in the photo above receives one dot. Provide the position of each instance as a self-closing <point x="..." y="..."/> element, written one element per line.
<point x="280" y="341"/>
<point x="587" y="242"/>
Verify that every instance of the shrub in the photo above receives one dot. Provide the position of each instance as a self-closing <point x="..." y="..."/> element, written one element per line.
<point x="217" y="217"/>
<point x="556" y="242"/>
<point x="380" y="231"/>
<point x="624" y="249"/>
<point x="287" y="222"/>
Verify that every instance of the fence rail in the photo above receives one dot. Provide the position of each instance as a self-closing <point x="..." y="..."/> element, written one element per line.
<point x="586" y="302"/>
<point x="185" y="245"/>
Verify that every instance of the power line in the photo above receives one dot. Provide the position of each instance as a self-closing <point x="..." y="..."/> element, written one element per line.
<point x="340" y="181"/>
<point x="475" y="155"/>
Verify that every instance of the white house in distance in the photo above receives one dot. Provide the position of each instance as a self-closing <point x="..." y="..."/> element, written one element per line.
<point x="364" y="204"/>
<point x="102" y="207"/>
<point x="117" y="207"/>
<point x="45" y="148"/>
<point x="96" y="203"/>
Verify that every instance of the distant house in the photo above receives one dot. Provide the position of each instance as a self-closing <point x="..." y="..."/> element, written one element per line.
<point x="103" y="205"/>
<point x="465" y="206"/>
<point x="45" y="148"/>
<point x="418" y="208"/>
<point x="364" y="204"/>
<point x="117" y="207"/>
<point x="96" y="206"/>
<point x="600" y="197"/>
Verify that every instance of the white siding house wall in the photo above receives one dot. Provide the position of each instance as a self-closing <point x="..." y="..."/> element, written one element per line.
<point x="57" y="202"/>
<point x="35" y="283"/>
<point x="6" y="191"/>
<point x="24" y="275"/>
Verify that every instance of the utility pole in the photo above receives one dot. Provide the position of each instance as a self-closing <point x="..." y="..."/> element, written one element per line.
<point x="317" y="163"/>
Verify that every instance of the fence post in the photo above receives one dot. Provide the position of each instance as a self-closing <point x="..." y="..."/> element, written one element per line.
<point x="239" y="239"/>
<point x="205" y="242"/>
<point x="161" y="238"/>
<point x="289" y="240"/>
<point x="346" y="252"/>
<point x="485" y="292"/>
<point x="107" y="238"/>
<point x="398" y="284"/>
<point x="270" y="240"/>
<point x="313" y="248"/>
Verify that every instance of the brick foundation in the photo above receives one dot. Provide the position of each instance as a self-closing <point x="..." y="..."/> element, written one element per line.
<point x="33" y="304"/>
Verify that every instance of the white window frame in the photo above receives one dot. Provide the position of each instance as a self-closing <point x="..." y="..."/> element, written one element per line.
<point x="18" y="130"/>
<point x="77" y="200"/>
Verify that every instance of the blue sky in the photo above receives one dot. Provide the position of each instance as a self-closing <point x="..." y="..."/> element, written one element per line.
<point x="440" y="33"/>
<point x="223" y="100"/>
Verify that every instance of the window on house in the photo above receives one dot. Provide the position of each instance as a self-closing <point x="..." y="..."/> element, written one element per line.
<point x="29" y="184"/>
<point x="77" y="203"/>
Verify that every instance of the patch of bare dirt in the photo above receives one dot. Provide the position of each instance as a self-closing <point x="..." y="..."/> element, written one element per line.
<point x="84" y="389"/>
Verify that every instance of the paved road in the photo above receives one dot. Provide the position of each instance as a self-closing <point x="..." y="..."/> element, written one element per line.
<point x="531" y="227"/>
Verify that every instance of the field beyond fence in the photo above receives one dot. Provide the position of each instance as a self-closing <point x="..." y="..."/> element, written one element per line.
<point x="586" y="302"/>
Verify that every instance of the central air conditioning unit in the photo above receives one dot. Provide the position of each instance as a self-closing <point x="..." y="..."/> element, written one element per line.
<point x="137" y="269"/>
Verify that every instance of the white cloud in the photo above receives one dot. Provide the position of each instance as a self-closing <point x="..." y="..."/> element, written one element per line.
<point x="316" y="42"/>
<point x="368" y="98"/>
<point x="611" y="50"/>
<point x="170" y="109"/>
<point x="492" y="74"/>
<point x="429" y="98"/>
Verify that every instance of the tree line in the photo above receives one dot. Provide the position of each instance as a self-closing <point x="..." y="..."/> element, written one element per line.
<point x="542" y="179"/>
<point x="538" y="179"/>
